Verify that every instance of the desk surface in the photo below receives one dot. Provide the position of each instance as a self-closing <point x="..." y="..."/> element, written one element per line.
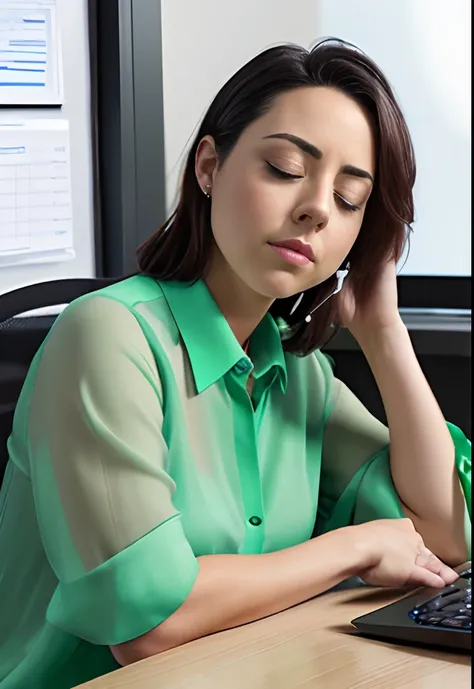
<point x="311" y="646"/>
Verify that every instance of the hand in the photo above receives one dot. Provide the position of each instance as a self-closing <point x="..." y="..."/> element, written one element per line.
<point x="379" y="310"/>
<point x="397" y="556"/>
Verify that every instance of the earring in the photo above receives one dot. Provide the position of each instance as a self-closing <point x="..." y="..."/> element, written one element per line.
<point x="207" y="193"/>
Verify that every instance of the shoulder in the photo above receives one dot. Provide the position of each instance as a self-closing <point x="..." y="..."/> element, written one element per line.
<point x="96" y="319"/>
<point x="97" y="349"/>
<point x="94" y="361"/>
<point x="95" y="336"/>
<point x="107" y="318"/>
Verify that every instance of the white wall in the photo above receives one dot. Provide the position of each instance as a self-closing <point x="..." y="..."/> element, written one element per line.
<point x="72" y="15"/>
<point x="424" y="48"/>
<point x="422" y="45"/>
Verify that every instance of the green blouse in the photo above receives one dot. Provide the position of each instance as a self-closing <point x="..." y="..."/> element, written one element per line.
<point x="136" y="448"/>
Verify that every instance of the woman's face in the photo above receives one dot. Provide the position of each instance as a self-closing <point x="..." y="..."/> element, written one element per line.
<point x="303" y="172"/>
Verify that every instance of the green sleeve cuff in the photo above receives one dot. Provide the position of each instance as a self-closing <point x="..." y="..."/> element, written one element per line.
<point x="130" y="594"/>
<point x="371" y="494"/>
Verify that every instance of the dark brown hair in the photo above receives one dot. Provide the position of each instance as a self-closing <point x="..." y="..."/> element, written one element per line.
<point x="180" y="250"/>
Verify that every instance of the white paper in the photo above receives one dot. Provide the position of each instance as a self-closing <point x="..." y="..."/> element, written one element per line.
<point x="35" y="192"/>
<point x="30" y="53"/>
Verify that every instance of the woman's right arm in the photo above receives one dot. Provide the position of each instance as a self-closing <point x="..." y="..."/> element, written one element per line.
<point x="232" y="590"/>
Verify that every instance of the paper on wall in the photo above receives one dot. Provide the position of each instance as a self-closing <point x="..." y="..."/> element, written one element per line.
<point x="30" y="53"/>
<point x="36" y="224"/>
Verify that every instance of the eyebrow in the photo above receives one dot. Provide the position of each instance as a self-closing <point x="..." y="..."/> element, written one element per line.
<point x="316" y="153"/>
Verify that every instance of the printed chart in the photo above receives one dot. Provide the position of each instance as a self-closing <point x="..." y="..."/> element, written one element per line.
<point x="35" y="192"/>
<point x="30" y="56"/>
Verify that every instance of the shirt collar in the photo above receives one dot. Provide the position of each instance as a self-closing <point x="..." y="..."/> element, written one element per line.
<point x="212" y="347"/>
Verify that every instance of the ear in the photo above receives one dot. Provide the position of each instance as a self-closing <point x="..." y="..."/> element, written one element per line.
<point x="205" y="164"/>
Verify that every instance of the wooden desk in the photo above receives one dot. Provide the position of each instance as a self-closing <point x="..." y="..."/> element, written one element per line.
<point x="311" y="646"/>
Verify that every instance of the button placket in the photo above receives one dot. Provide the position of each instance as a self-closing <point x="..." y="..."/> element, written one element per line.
<point x="245" y="438"/>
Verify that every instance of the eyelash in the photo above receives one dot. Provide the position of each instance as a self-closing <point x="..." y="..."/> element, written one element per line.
<point x="351" y="207"/>
<point x="280" y="174"/>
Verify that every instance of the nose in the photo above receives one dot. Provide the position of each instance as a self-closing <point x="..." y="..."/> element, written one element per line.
<point x="314" y="210"/>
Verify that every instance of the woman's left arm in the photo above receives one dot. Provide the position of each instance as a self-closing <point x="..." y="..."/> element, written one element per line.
<point x="422" y="454"/>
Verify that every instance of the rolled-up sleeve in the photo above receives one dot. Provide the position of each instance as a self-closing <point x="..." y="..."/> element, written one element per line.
<point x="98" y="464"/>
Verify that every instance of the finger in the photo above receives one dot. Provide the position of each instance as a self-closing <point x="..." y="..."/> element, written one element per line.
<point x="447" y="574"/>
<point x="428" y="560"/>
<point x="424" y="577"/>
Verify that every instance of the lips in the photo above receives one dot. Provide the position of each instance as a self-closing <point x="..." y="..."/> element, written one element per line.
<point x="298" y="246"/>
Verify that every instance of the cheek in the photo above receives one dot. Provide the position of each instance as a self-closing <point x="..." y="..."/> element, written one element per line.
<point x="245" y="206"/>
<point x="346" y="236"/>
<point x="253" y="200"/>
<point x="242" y="191"/>
<point x="341" y="241"/>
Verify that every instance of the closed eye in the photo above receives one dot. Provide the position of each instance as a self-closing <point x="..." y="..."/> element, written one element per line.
<point x="281" y="174"/>
<point x="346" y="205"/>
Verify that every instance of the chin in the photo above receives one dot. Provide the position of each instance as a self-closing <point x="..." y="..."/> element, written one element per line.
<point x="277" y="285"/>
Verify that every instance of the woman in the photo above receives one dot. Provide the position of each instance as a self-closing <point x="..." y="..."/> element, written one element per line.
<point x="180" y="437"/>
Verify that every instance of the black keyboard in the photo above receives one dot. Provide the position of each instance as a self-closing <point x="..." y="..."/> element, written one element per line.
<point x="451" y="608"/>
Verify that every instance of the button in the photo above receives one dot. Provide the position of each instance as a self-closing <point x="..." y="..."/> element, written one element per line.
<point x="243" y="366"/>
<point x="255" y="521"/>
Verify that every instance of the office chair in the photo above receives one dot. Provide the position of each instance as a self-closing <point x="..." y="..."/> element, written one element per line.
<point x="20" y="338"/>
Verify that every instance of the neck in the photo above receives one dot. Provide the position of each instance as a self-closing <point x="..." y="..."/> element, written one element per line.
<point x="242" y="307"/>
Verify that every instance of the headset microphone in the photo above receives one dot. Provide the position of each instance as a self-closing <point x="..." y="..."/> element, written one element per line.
<point x="340" y="276"/>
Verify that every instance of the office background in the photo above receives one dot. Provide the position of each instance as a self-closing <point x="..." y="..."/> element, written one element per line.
<point x="138" y="77"/>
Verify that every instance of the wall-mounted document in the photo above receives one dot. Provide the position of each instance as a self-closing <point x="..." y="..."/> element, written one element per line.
<point x="30" y="53"/>
<point x="35" y="192"/>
